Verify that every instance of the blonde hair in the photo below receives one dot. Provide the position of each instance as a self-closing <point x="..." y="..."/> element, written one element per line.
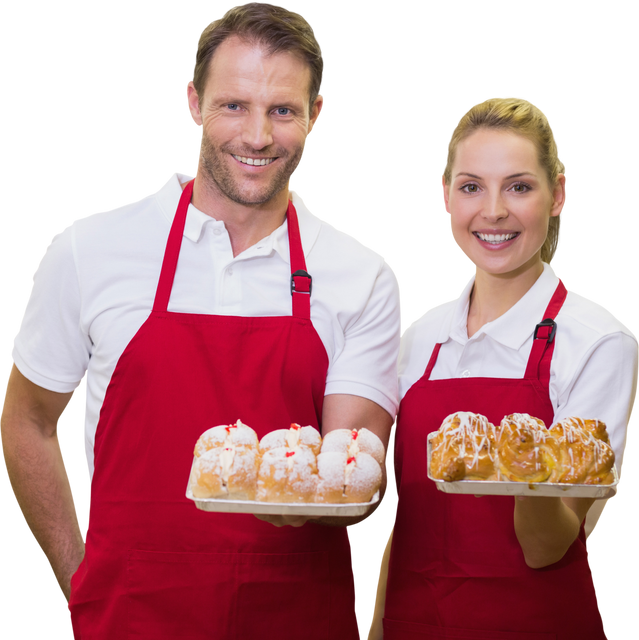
<point x="525" y="119"/>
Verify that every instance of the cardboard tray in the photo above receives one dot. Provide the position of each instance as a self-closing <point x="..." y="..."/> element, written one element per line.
<point x="509" y="488"/>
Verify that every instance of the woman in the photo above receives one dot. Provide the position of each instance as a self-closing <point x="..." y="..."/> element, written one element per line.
<point x="499" y="568"/>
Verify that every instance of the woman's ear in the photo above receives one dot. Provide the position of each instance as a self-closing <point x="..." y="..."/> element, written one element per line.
<point x="446" y="188"/>
<point x="558" y="196"/>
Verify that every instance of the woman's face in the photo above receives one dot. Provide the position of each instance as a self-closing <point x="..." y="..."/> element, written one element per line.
<point x="500" y="202"/>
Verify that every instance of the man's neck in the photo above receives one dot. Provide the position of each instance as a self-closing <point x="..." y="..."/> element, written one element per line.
<point x="245" y="224"/>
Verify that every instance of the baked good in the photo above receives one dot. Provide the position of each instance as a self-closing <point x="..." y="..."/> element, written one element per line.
<point x="586" y="454"/>
<point x="353" y="441"/>
<point x="347" y="479"/>
<point x="226" y="435"/>
<point x="293" y="437"/>
<point x="526" y="450"/>
<point x="227" y="473"/>
<point x="463" y="447"/>
<point x="226" y="463"/>
<point x="349" y="466"/>
<point x="287" y="475"/>
<point x="521" y="449"/>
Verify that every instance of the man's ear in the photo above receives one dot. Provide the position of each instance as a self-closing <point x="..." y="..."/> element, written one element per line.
<point x="194" y="103"/>
<point x="315" y="111"/>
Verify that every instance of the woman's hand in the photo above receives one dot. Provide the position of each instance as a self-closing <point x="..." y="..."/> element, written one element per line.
<point x="547" y="527"/>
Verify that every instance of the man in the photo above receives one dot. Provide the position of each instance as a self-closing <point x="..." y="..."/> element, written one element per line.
<point x="252" y="309"/>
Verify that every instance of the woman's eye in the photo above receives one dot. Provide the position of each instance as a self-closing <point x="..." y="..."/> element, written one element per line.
<point x="520" y="187"/>
<point x="470" y="188"/>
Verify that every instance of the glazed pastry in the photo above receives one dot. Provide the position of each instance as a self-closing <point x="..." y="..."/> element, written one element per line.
<point x="586" y="455"/>
<point x="463" y="448"/>
<point x="527" y="450"/>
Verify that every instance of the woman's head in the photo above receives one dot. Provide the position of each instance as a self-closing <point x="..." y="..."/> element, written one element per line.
<point x="524" y="119"/>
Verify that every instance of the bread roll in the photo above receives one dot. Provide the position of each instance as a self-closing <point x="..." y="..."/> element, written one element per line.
<point x="352" y="441"/>
<point x="292" y="438"/>
<point x="287" y="475"/>
<point x="225" y="435"/>
<point x="227" y="473"/>
<point x="347" y="479"/>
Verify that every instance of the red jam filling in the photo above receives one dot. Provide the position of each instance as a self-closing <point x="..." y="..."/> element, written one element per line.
<point x="350" y="460"/>
<point x="290" y="453"/>
<point x="354" y="434"/>
<point x="295" y="426"/>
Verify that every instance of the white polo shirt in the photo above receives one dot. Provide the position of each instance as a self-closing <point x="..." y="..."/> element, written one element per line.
<point x="593" y="373"/>
<point x="96" y="284"/>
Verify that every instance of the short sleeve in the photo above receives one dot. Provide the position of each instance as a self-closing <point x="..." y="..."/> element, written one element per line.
<point x="367" y="365"/>
<point x="51" y="350"/>
<point x="604" y="387"/>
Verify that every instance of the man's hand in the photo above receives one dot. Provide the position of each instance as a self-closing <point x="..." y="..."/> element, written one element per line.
<point x="285" y="521"/>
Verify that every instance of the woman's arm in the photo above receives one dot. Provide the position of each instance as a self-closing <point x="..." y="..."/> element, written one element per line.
<point x="546" y="527"/>
<point x="377" y="630"/>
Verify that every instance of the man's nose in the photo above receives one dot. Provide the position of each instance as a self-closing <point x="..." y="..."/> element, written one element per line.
<point x="258" y="131"/>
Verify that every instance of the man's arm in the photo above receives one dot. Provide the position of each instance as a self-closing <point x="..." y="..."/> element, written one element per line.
<point x="343" y="411"/>
<point x="37" y="473"/>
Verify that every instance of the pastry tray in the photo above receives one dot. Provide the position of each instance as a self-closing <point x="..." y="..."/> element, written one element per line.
<point x="509" y="488"/>
<point x="282" y="508"/>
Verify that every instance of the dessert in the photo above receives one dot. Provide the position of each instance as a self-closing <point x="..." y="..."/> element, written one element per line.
<point x="586" y="454"/>
<point x="464" y="448"/>
<point x="349" y="466"/>
<point x="521" y="449"/>
<point x="284" y="467"/>
<point x="292" y="438"/>
<point x="526" y="450"/>
<point x="226" y="463"/>
<point x="287" y="475"/>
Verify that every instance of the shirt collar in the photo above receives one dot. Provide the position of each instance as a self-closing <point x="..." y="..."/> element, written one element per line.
<point x="514" y="327"/>
<point x="169" y="196"/>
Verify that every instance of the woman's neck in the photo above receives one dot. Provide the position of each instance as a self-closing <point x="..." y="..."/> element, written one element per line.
<point x="493" y="295"/>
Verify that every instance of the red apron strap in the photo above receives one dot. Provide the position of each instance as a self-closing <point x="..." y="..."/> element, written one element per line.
<point x="301" y="281"/>
<point x="432" y="361"/>
<point x="172" y="251"/>
<point x="544" y="339"/>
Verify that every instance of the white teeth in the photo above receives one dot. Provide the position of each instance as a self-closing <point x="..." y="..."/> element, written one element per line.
<point x="253" y="161"/>
<point x="495" y="239"/>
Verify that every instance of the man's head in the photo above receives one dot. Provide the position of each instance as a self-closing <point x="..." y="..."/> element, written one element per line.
<point x="255" y="92"/>
<point x="273" y="29"/>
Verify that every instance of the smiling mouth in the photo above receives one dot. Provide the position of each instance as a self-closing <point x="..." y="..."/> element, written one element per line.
<point x="491" y="238"/>
<point x="256" y="162"/>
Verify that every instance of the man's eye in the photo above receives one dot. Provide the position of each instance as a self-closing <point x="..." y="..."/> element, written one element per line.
<point x="282" y="111"/>
<point x="233" y="106"/>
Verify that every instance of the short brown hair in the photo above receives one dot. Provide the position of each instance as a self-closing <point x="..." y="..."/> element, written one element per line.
<point x="275" y="28"/>
<point x="525" y="119"/>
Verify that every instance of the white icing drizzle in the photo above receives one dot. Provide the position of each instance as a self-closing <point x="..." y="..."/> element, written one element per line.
<point x="465" y="430"/>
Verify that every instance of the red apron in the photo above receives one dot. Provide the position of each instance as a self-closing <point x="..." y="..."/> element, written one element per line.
<point x="155" y="566"/>
<point x="456" y="567"/>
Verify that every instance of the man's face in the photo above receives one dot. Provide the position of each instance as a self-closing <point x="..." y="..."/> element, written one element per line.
<point x="255" y="115"/>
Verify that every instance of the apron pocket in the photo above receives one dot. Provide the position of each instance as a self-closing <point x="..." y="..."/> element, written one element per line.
<point x="401" y="630"/>
<point x="235" y="596"/>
